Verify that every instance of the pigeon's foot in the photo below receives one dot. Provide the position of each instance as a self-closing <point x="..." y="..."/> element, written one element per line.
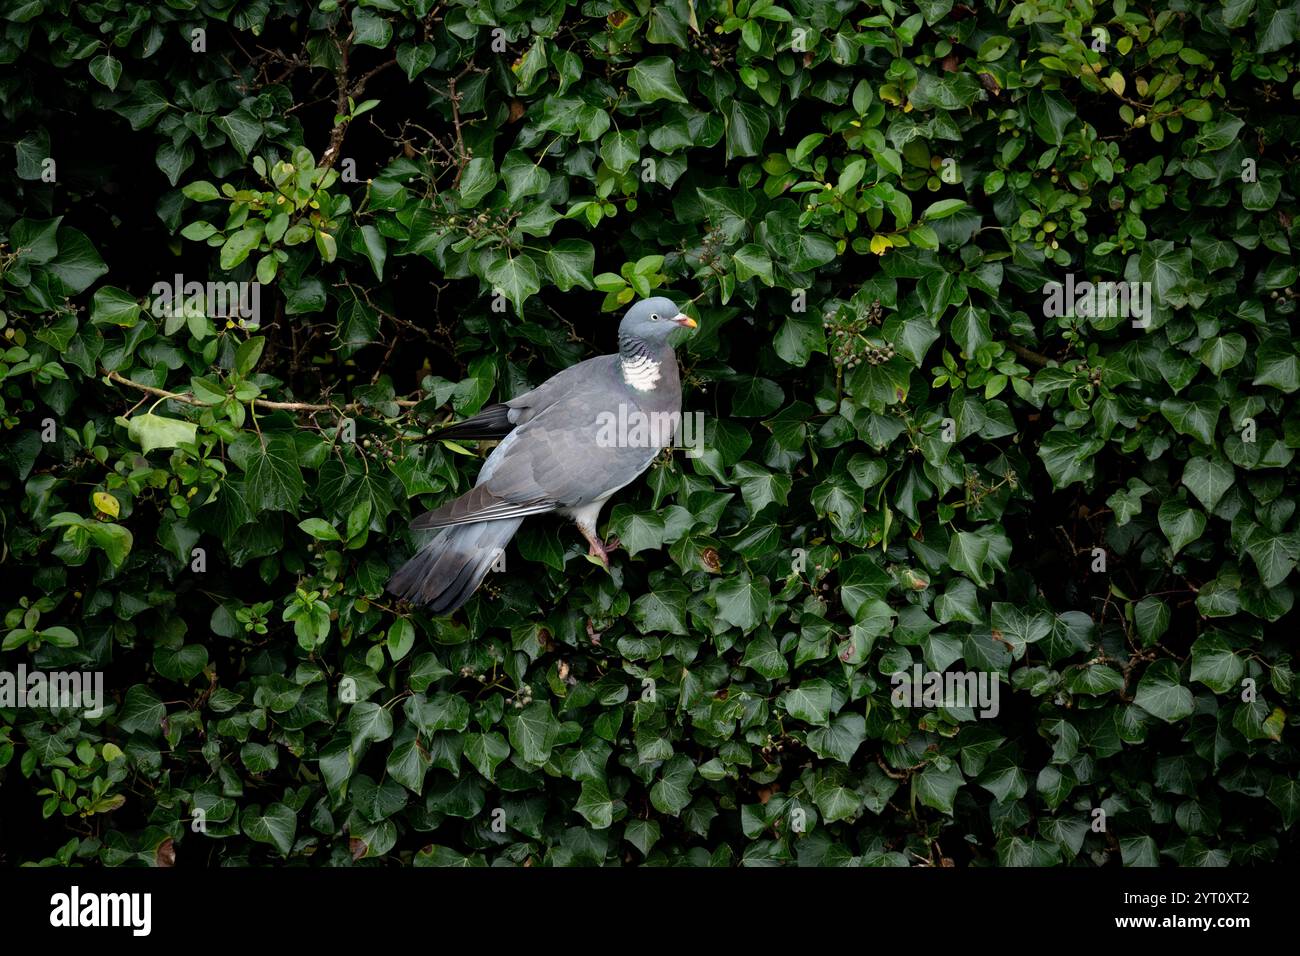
<point x="600" y="550"/>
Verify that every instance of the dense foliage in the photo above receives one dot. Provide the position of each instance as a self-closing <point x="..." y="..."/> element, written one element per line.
<point x="911" y="457"/>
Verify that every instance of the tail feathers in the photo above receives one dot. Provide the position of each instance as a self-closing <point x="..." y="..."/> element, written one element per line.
<point x="492" y="422"/>
<point x="446" y="572"/>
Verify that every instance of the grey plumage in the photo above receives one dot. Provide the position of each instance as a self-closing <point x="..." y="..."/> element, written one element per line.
<point x="554" y="456"/>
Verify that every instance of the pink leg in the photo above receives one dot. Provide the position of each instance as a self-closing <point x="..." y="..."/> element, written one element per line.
<point x="599" y="549"/>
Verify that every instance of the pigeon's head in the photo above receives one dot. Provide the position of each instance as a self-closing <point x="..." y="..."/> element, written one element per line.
<point x="653" y="320"/>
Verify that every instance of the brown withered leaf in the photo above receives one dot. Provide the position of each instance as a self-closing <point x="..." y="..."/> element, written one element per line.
<point x="990" y="83"/>
<point x="165" y="855"/>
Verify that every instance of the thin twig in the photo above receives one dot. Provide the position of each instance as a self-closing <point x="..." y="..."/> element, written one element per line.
<point x="187" y="398"/>
<point x="1034" y="358"/>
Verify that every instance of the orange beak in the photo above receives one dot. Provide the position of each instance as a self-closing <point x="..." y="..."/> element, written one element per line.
<point x="685" y="321"/>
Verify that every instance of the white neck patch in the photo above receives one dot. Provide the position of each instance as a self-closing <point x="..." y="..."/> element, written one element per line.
<point x="641" y="373"/>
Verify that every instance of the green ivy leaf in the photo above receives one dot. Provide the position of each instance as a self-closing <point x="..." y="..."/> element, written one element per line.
<point x="1181" y="524"/>
<point x="533" y="731"/>
<point x="1161" y="694"/>
<point x="654" y="78"/>
<point x="276" y="825"/>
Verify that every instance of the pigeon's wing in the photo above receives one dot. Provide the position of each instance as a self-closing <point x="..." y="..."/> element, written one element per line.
<point x="480" y="503"/>
<point x="497" y="421"/>
<point x="563" y="457"/>
<point x="565" y="385"/>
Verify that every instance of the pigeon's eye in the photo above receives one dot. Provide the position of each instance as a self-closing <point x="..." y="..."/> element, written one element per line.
<point x="654" y="316"/>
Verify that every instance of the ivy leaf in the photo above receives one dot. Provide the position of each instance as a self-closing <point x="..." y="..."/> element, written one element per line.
<point x="862" y="580"/>
<point x="968" y="552"/>
<point x="1139" y="851"/>
<point x="1208" y="479"/>
<point x="936" y="787"/>
<point x="151" y="431"/>
<point x="1284" y="793"/>
<point x="368" y="721"/>
<point x="642" y="834"/>
<point x="619" y="150"/>
<point x="142" y="712"/>
<point x="637" y="531"/>
<point x="742" y="600"/>
<point x="1275" y="555"/>
<point x="144" y="105"/>
<point x="371" y="29"/>
<point x="107" y="70"/>
<point x="523" y="176"/>
<point x="1222" y="352"/>
<point x="1195" y="418"/>
<point x="486" y="752"/>
<point x="595" y="804"/>
<point x="408" y="764"/>
<point x="1094" y="680"/>
<point x="747" y="127"/>
<point x="1068" y="455"/>
<point x="276" y="825"/>
<point x="1181" y="524"/>
<point x="1151" y="617"/>
<point x="515" y="277"/>
<point x="655" y="78"/>
<point x="671" y="794"/>
<point x="274" y="479"/>
<point x="570" y="263"/>
<point x="839" y="740"/>
<point x="1276" y="28"/>
<point x="77" y="265"/>
<point x="478" y="179"/>
<point x="1277" y="364"/>
<point x="835" y="800"/>
<point x="809" y="702"/>
<point x="533" y="731"/>
<point x="1215" y="665"/>
<point x="1161" y="694"/>
<point x="756" y="397"/>
<point x="242" y="128"/>
<point x="798" y="338"/>
<point x="760" y="487"/>
<point x="763" y="655"/>
<point x="753" y="260"/>
<point x="661" y="610"/>
<point x="440" y="713"/>
<point x="1020" y="628"/>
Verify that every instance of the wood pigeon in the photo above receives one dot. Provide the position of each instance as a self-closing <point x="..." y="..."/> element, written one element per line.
<point x="567" y="446"/>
